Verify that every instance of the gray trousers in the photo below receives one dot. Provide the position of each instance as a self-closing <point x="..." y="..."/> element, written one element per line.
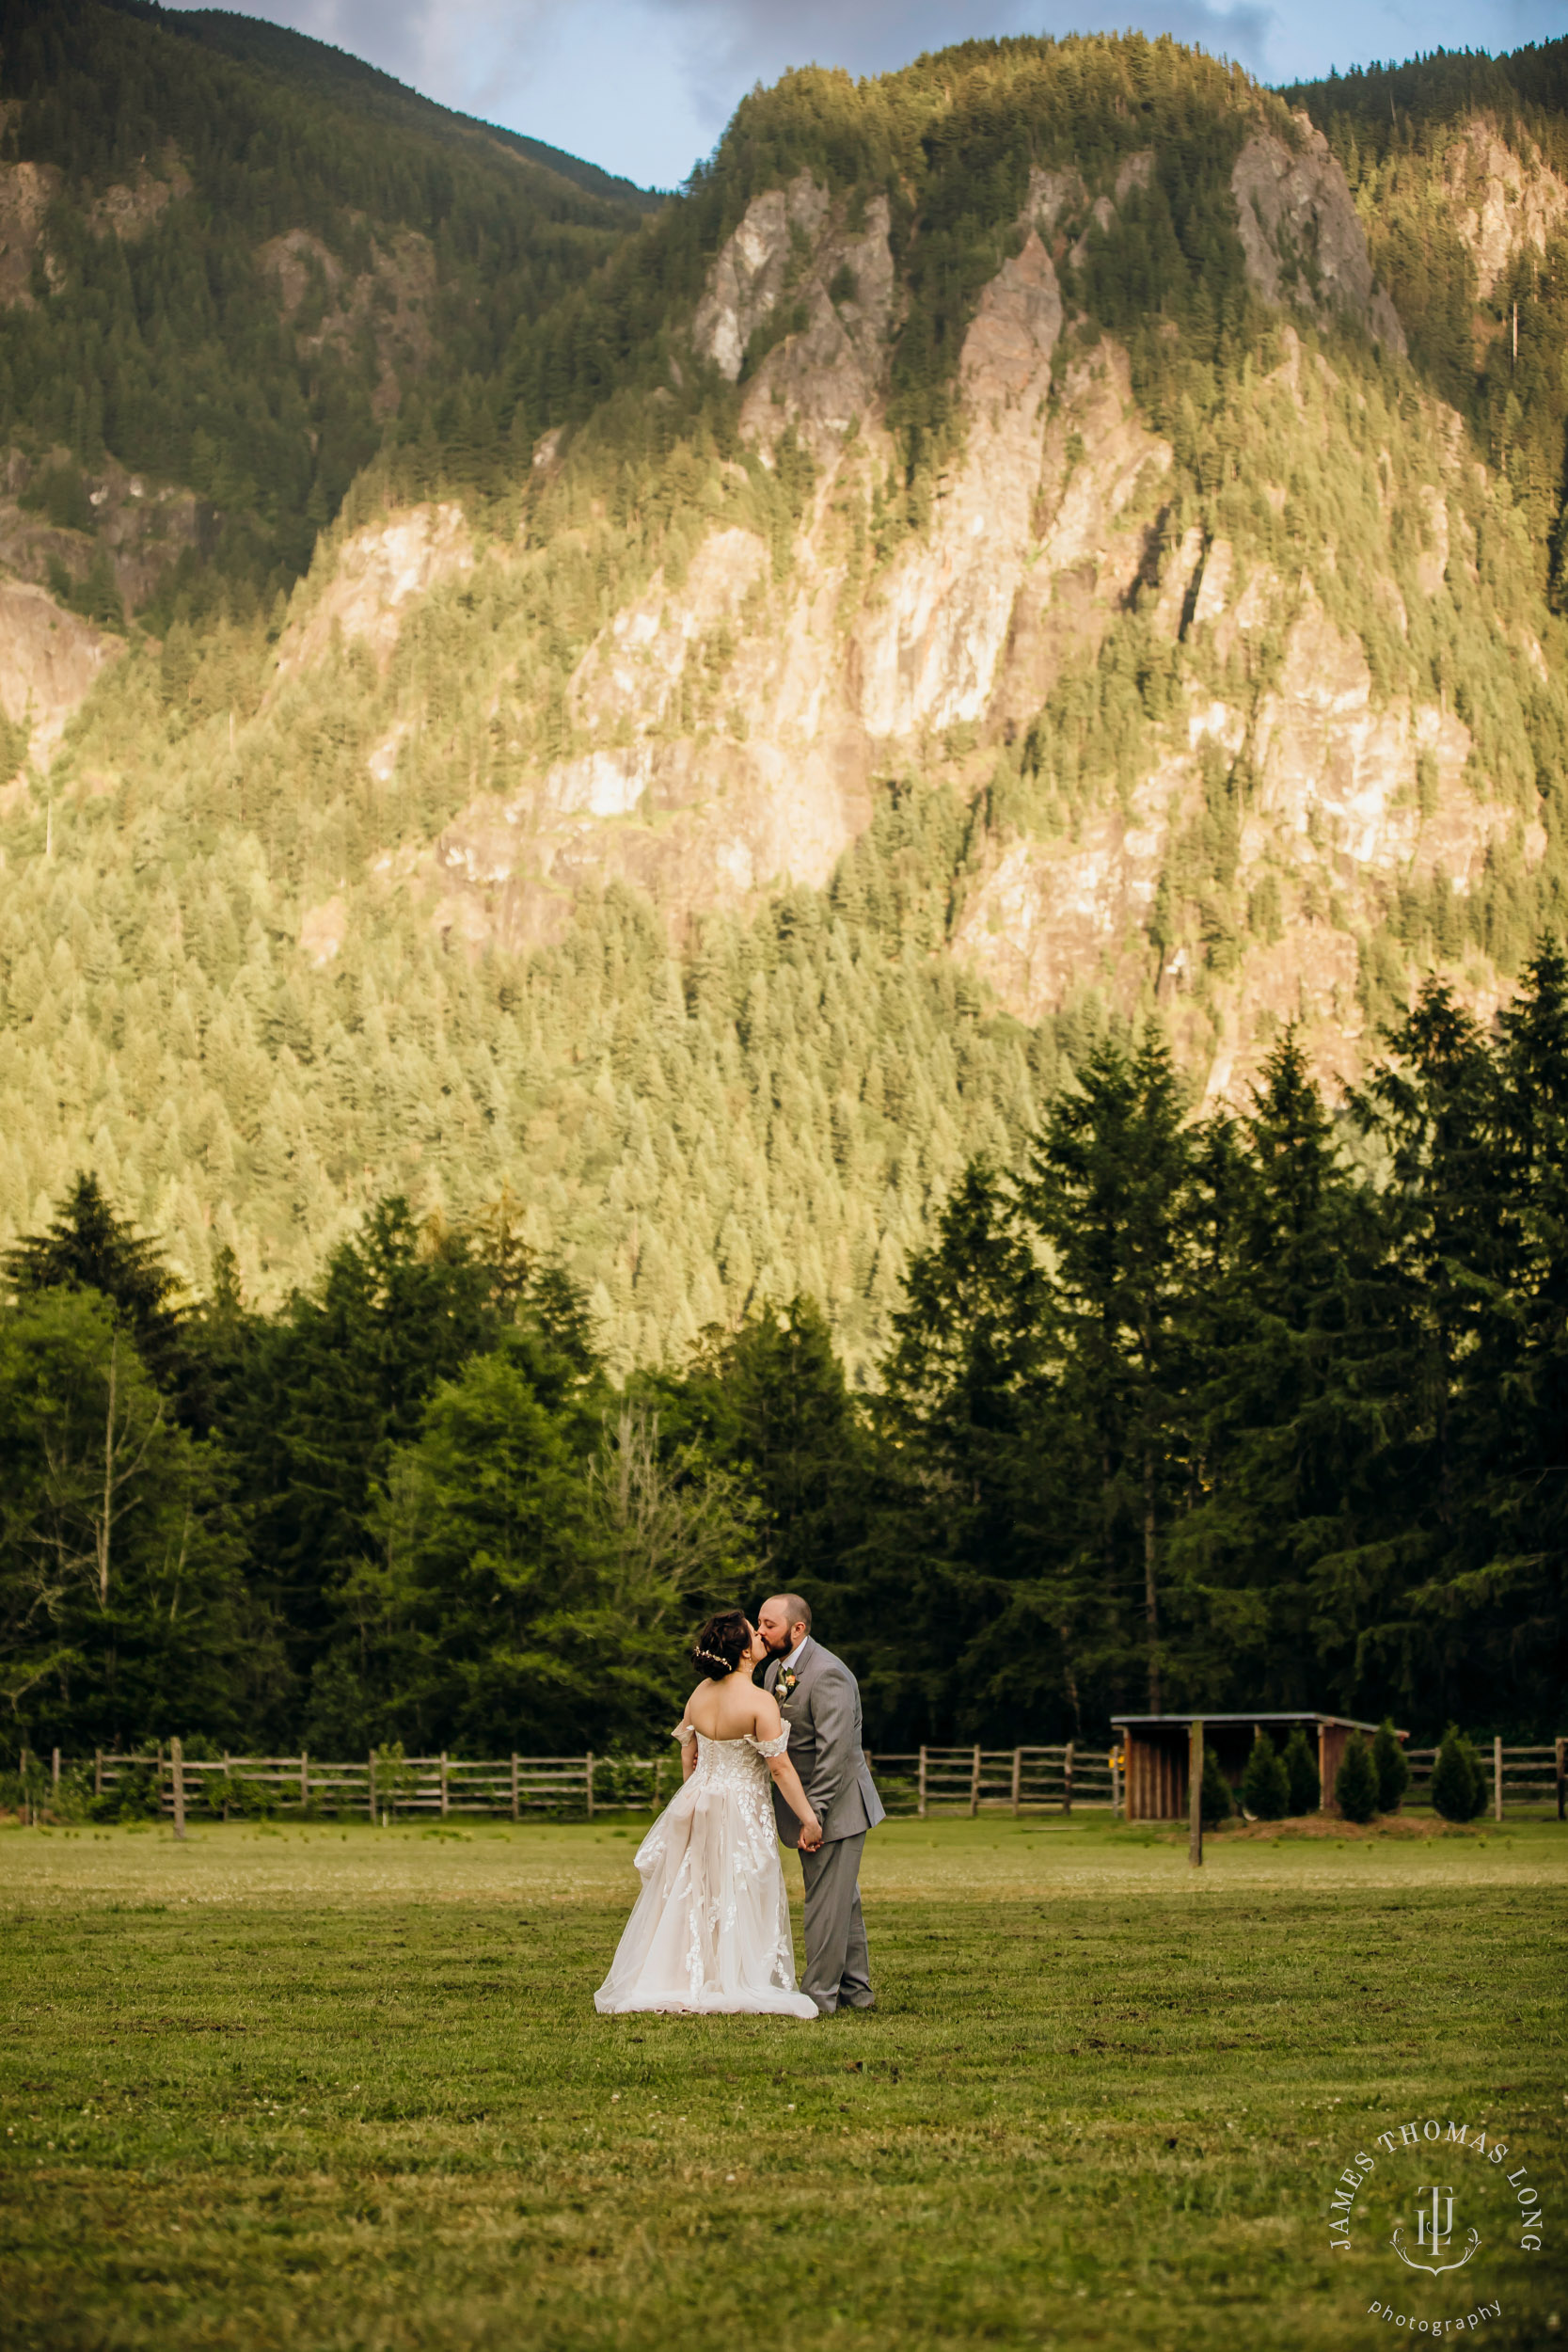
<point x="838" y="1966"/>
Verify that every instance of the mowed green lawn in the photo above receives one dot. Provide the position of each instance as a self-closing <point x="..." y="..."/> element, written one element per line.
<point x="315" y="2087"/>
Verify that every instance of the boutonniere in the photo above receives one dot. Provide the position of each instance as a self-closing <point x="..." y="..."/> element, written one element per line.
<point x="785" y="1683"/>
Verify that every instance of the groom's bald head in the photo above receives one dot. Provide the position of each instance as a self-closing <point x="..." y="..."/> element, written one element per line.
<point x="782" y="1620"/>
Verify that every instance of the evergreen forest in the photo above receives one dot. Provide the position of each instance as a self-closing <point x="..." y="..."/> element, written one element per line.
<point x="1174" y="1411"/>
<point x="451" y="1242"/>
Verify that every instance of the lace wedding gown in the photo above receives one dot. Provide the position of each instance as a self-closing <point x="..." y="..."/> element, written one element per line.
<point x="710" y="1929"/>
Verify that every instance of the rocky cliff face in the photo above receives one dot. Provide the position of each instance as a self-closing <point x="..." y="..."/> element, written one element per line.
<point x="1299" y="230"/>
<point x="1502" y="203"/>
<point x="729" y="727"/>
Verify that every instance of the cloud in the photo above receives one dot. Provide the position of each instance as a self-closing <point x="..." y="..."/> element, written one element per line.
<point x="730" y="44"/>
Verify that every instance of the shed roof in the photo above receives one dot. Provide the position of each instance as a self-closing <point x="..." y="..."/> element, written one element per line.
<point x="1250" y="1715"/>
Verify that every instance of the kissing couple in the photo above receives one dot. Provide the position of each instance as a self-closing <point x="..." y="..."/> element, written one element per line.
<point x="709" y="1933"/>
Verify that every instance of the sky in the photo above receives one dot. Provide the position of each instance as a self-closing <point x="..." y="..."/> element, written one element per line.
<point x="644" y="88"/>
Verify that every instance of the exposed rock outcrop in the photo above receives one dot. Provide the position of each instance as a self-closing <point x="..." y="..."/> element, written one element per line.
<point x="127" y="209"/>
<point x="50" y="660"/>
<point x="928" y="646"/>
<point x="144" y="526"/>
<point x="1299" y="231"/>
<point x="794" y="253"/>
<point x="377" y="574"/>
<point x="1504" y="203"/>
<point x="329" y="307"/>
<point x="27" y="192"/>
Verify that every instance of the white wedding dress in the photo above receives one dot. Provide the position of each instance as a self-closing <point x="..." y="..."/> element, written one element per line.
<point x="710" y="1930"/>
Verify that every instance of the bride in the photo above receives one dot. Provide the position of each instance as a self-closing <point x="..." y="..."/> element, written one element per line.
<point x="710" y="1929"/>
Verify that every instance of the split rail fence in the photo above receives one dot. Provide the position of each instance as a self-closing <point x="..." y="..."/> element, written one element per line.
<point x="921" y="1783"/>
<point x="1519" y="1779"/>
<point x="926" y="1781"/>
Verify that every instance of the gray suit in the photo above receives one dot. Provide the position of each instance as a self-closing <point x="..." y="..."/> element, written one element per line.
<point x="823" y="1712"/>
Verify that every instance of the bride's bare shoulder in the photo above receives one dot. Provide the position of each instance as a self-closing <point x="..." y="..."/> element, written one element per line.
<point x="767" y="1719"/>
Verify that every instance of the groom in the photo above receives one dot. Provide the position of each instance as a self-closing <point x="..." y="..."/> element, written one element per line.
<point x="820" y="1700"/>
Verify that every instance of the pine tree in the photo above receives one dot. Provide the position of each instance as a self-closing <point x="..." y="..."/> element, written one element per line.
<point x="1215" y="1799"/>
<point x="1391" y="1766"/>
<point x="1301" y="1773"/>
<point x="1109" y="1191"/>
<point x="1355" y="1781"/>
<point x="1282" y="1316"/>
<point x="1457" y="1791"/>
<point x="1265" y="1786"/>
<point x="88" y="1248"/>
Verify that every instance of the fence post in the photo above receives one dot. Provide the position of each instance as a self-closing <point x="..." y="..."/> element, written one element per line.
<point x="974" y="1784"/>
<point x="1195" y="1794"/>
<point x="28" y="1821"/>
<point x="1561" y="1778"/>
<point x="922" y="1811"/>
<point x="177" y="1766"/>
<point x="304" y="1781"/>
<point x="55" y="1775"/>
<point x="659" y="1782"/>
<point x="1115" y="1783"/>
<point x="1017" y="1775"/>
<point x="1067" y="1778"/>
<point x="226" y="1784"/>
<point x="370" y="1764"/>
<point x="445" y="1797"/>
<point x="514" y="1784"/>
<point x="98" y="1768"/>
<point x="1498" y="1776"/>
<point x="591" y="1784"/>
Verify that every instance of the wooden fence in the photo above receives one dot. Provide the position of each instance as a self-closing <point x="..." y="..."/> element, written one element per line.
<point x="921" y="1783"/>
<point x="1522" y="1779"/>
<point x="925" y="1782"/>
<point x="518" y="1787"/>
<point x="932" y="1780"/>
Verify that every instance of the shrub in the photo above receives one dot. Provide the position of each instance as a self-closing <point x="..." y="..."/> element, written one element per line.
<point x="1301" y="1773"/>
<point x="1265" y="1789"/>
<point x="1390" y="1765"/>
<point x="1355" y="1781"/>
<point x="1458" y="1790"/>
<point x="1215" y="1799"/>
<point x="1481" y="1771"/>
<point x="134" y="1797"/>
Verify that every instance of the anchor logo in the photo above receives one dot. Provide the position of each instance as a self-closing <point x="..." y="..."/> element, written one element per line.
<point x="1434" y="2232"/>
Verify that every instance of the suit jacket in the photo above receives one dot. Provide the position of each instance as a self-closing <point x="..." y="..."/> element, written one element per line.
<point x="823" y="1712"/>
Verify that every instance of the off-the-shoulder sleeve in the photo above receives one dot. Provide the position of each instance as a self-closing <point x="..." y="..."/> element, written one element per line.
<point x="770" y="1747"/>
<point x="684" y="1732"/>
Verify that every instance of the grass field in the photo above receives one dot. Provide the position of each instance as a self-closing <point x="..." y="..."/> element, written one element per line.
<point x="322" y="2087"/>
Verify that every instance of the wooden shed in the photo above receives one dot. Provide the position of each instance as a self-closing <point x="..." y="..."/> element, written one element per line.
<point x="1155" y="1748"/>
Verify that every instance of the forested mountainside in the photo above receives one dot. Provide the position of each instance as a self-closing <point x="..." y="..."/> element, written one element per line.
<point x="1053" y="538"/>
<point x="231" y="260"/>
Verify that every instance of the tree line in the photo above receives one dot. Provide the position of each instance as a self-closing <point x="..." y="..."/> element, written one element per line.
<point x="1256" y="1409"/>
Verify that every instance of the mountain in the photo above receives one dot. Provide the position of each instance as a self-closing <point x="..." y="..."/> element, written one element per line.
<point x="1054" y="537"/>
<point x="232" y="258"/>
<point x="348" y="82"/>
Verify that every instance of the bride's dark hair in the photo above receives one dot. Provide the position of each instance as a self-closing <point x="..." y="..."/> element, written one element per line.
<point x="721" y="1645"/>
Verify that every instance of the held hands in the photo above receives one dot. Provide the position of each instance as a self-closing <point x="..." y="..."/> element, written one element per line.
<point x="811" y="1834"/>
